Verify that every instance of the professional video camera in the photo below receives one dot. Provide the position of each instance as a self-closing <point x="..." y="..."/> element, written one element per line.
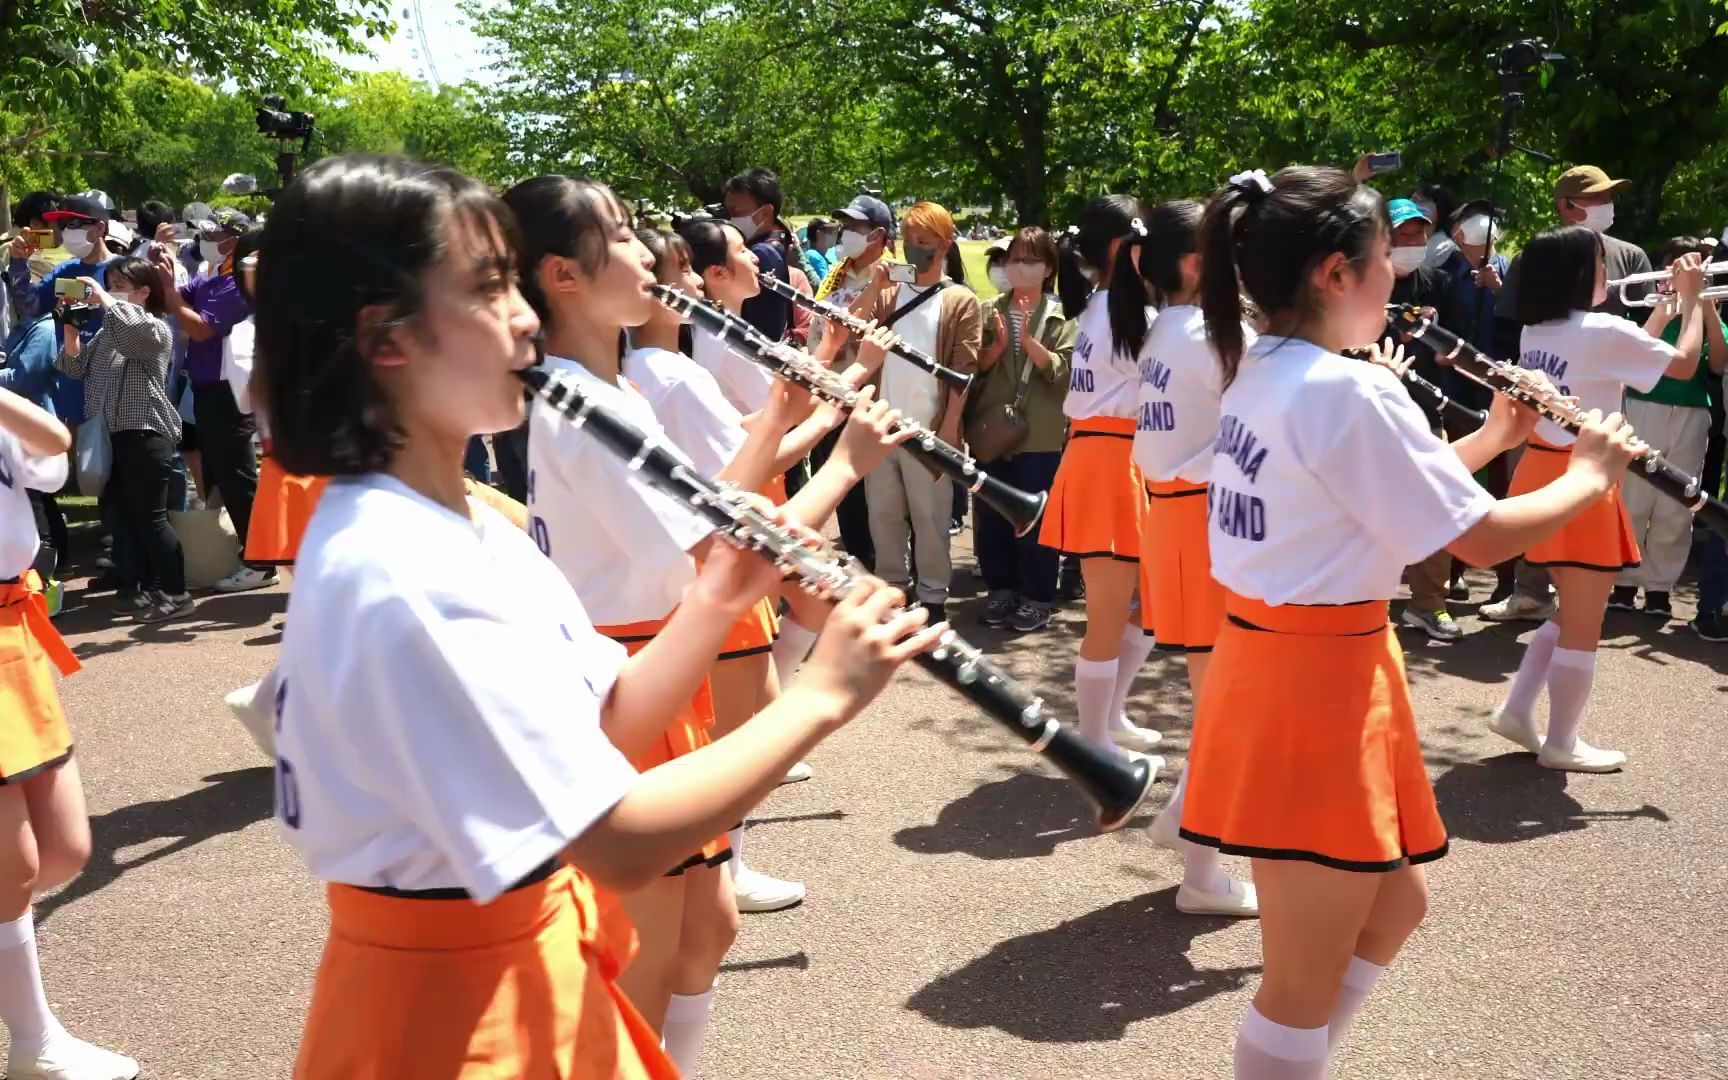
<point x="277" y="121"/>
<point x="1520" y="64"/>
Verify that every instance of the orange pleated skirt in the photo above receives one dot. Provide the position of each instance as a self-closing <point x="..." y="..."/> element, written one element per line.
<point x="754" y="634"/>
<point x="1305" y="744"/>
<point x="280" y="511"/>
<point x="523" y="988"/>
<point x="34" y="735"/>
<point x="1599" y="538"/>
<point x="1181" y="606"/>
<point x="1097" y="496"/>
<point x="687" y="732"/>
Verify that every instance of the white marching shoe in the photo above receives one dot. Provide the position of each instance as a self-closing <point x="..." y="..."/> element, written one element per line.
<point x="1131" y="736"/>
<point x="756" y="892"/>
<point x="1581" y="758"/>
<point x="1518" y="729"/>
<point x="1166" y="828"/>
<point x="797" y="774"/>
<point x="252" y="706"/>
<point x="1238" y="901"/>
<point x="67" y="1058"/>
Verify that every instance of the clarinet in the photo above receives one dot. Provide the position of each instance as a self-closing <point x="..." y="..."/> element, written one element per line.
<point x="900" y="347"/>
<point x="1517" y="384"/>
<point x="1115" y="783"/>
<point x="1021" y="508"/>
<point x="1444" y="401"/>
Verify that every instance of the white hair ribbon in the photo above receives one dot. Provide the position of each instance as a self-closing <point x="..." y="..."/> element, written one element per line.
<point x="1138" y="226"/>
<point x="1253" y="181"/>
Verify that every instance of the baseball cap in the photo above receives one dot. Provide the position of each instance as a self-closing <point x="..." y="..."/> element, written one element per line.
<point x="121" y="233"/>
<point x="1586" y="180"/>
<point x="870" y="210"/>
<point x="224" y="220"/>
<point x="1402" y="210"/>
<point x="77" y="208"/>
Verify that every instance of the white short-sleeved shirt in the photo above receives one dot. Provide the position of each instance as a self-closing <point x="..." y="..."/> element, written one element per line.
<point x="905" y="385"/>
<point x="1326" y="481"/>
<point x="745" y="383"/>
<point x="1180" y="384"/>
<point x="20" y="473"/>
<point x="1100" y="381"/>
<point x="438" y="717"/>
<point x="1593" y="356"/>
<point x="623" y="545"/>
<point x="688" y="403"/>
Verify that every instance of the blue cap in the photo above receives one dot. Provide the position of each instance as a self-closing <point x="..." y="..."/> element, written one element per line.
<point x="1403" y="210"/>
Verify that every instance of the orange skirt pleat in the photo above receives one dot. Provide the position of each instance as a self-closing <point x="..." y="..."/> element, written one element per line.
<point x="1599" y="538"/>
<point x="1181" y="606"/>
<point x="280" y="512"/>
<point x="1096" y="499"/>
<point x="34" y="735"/>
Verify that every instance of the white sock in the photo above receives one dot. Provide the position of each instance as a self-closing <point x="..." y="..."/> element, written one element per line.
<point x="791" y="647"/>
<point x="1203" y="868"/>
<point x="1094" y="681"/>
<point x="1268" y="1051"/>
<point x="1570" y="677"/>
<point x="735" y="837"/>
<point x="1533" y="670"/>
<point x="1359" y="980"/>
<point x="23" y="1004"/>
<point x="685" y="1028"/>
<point x="1136" y="647"/>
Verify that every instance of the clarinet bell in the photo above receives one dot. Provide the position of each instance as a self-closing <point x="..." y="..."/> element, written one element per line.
<point x="1023" y="509"/>
<point x="1117" y="783"/>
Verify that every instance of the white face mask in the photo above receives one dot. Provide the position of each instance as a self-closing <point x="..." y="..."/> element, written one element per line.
<point x="1405" y="260"/>
<point x="211" y="251"/>
<point x="78" y="242"/>
<point x="999" y="278"/>
<point x="852" y="244"/>
<point x="1474" y="231"/>
<point x="745" y="225"/>
<point x="1599" y="218"/>
<point x="1025" y="275"/>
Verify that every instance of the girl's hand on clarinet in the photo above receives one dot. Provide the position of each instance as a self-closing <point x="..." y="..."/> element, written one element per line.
<point x="873" y="350"/>
<point x="870" y="433"/>
<point x="1390" y="354"/>
<point x="1510" y="422"/>
<point x="863" y="643"/>
<point x="834" y="338"/>
<point x="732" y="580"/>
<point x="1605" y="446"/>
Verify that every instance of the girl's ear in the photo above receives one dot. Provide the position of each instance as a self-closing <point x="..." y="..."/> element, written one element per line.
<point x="376" y="331"/>
<point x="558" y="276"/>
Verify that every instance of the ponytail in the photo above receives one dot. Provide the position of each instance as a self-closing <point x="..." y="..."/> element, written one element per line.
<point x="1071" y="285"/>
<point x="1264" y="237"/>
<point x="954" y="264"/>
<point x="1128" y="298"/>
<point x="1105" y="220"/>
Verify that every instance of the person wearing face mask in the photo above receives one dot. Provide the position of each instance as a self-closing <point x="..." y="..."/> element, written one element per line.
<point x="996" y="266"/>
<point x="207" y="311"/>
<point x="83" y="225"/>
<point x="1439" y="204"/>
<point x="753" y="202"/>
<point x="818" y="238"/>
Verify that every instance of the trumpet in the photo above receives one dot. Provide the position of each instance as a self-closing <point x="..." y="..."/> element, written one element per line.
<point x="900" y="347"/>
<point x="1655" y="298"/>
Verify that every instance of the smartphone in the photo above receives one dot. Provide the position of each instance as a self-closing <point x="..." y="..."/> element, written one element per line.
<point x="1389" y="161"/>
<point x="69" y="289"/>
<point x="902" y="273"/>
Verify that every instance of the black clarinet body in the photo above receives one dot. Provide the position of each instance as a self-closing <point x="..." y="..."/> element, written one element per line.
<point x="959" y="380"/>
<point x="1023" y="509"/>
<point x="1445" y="402"/>
<point x="1117" y="784"/>
<point x="1515" y="383"/>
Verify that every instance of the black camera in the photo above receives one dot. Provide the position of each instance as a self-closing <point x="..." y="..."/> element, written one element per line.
<point x="277" y="121"/>
<point x="1520" y="64"/>
<point x="79" y="315"/>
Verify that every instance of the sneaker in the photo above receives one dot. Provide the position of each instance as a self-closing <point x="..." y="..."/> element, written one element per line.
<point x="1659" y="605"/>
<point x="1459" y="592"/>
<point x="1030" y="617"/>
<point x="956" y="527"/>
<point x="1166" y="830"/>
<point x="246" y="579"/>
<point x="131" y="601"/>
<point x="1239" y="901"/>
<point x="1708" y="625"/>
<point x="757" y="892"/>
<point x="1518" y="729"/>
<point x="252" y="709"/>
<point x="67" y="1058"/>
<point x="999" y="608"/>
<point x="797" y="774"/>
<point x="163" y="607"/>
<point x="1438" y="625"/>
<point x="1624" y="598"/>
<point x="1133" y="736"/>
<point x="1581" y="758"/>
<point x="1519" y="607"/>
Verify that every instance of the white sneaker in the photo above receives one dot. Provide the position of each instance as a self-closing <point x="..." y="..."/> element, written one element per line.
<point x="1581" y="758"/>
<point x="250" y="706"/>
<point x="757" y="892"/>
<point x="1518" y="607"/>
<point x="68" y="1058"/>
<point x="246" y="579"/>
<point x="1238" y="902"/>
<point x="1164" y="830"/>
<point x="1133" y="736"/>
<point x="797" y="773"/>
<point x="1519" y="729"/>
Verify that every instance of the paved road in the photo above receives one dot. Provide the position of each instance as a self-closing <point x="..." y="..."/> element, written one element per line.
<point x="964" y="918"/>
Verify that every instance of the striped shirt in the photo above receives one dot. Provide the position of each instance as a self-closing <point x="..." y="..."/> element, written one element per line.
<point x="125" y="372"/>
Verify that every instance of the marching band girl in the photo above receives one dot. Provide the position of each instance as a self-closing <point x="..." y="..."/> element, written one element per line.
<point x="1593" y="356"/>
<point x="1181" y="605"/>
<point x="453" y="733"/>
<point x="46" y="828"/>
<point x="1094" y="508"/>
<point x="1325" y="483"/>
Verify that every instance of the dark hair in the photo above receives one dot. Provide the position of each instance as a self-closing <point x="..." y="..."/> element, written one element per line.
<point x="708" y="242"/>
<point x="32" y="206"/>
<point x="152" y="215"/>
<point x="1149" y="269"/>
<point x="1557" y="274"/>
<point x="994" y="255"/>
<point x="1267" y="243"/>
<point x="352" y="232"/>
<point x="1104" y="220"/>
<point x="763" y="185"/>
<point x="1038" y="243"/>
<point x="563" y="216"/>
<point x="250" y="241"/>
<point x="1678" y="246"/>
<point x="1445" y="203"/>
<point x="668" y="248"/>
<point x="139" y="272"/>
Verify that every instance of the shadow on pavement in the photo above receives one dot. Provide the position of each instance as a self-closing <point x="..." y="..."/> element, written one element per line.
<point x="1085" y="980"/>
<point x="1022" y="817"/>
<point x="230" y="802"/>
<point x="1510" y="798"/>
<point x="213" y="614"/>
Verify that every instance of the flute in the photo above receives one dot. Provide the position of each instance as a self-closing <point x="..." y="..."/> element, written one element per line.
<point x="1517" y="384"/>
<point x="1442" y="400"/>
<point x="900" y="347"/>
<point x="1021" y="508"/>
<point x="1117" y="784"/>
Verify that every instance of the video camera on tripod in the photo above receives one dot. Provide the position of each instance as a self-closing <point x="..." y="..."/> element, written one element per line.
<point x="277" y="121"/>
<point x="1520" y="64"/>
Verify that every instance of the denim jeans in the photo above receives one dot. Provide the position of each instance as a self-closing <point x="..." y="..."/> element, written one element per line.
<point x="1008" y="562"/>
<point x="1713" y="574"/>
